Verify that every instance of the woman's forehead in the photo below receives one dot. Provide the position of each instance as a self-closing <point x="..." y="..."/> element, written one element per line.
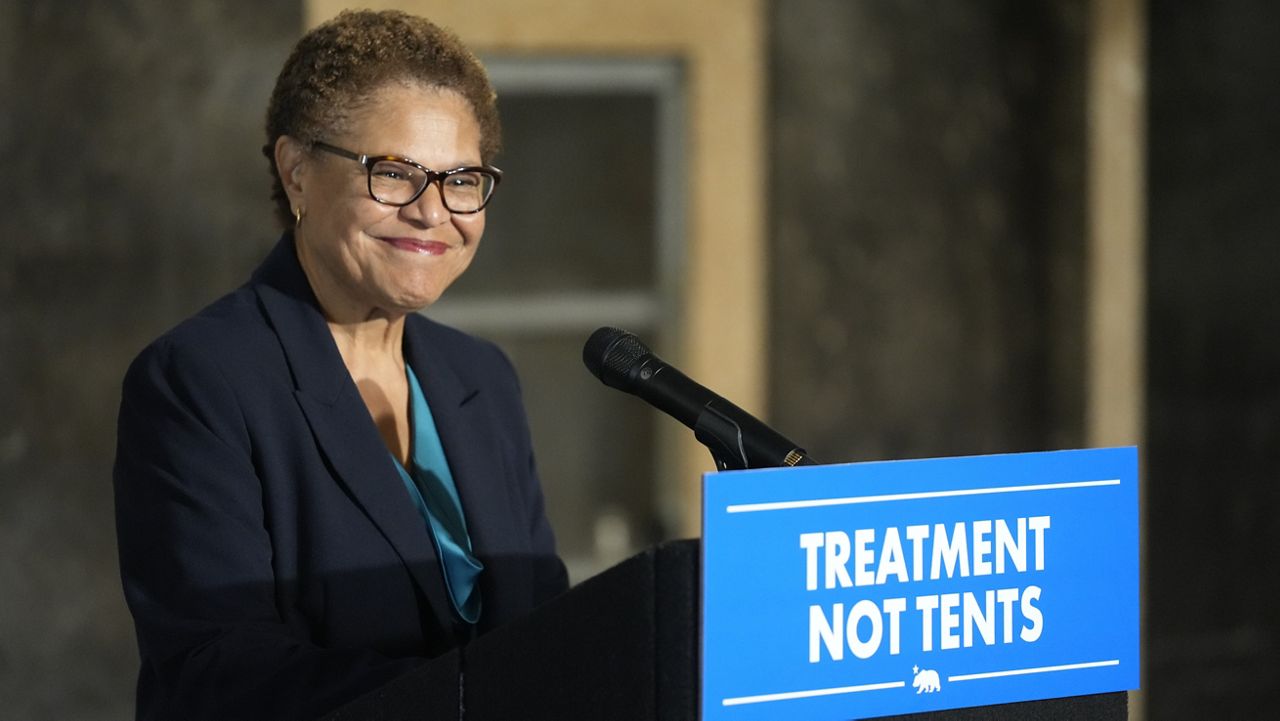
<point x="414" y="120"/>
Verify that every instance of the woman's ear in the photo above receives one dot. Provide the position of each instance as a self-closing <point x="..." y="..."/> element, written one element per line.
<point x="291" y="164"/>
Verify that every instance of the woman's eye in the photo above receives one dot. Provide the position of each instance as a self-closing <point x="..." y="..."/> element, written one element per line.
<point x="464" y="180"/>
<point x="392" y="171"/>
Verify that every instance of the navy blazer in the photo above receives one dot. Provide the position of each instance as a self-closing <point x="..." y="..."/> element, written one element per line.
<point x="270" y="554"/>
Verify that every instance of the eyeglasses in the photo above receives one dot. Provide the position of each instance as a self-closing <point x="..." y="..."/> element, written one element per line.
<point x="400" y="181"/>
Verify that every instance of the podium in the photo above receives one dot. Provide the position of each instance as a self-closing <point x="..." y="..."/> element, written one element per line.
<point x="621" y="646"/>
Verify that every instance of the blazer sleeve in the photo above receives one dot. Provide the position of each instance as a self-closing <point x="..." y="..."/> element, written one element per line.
<point x="196" y="558"/>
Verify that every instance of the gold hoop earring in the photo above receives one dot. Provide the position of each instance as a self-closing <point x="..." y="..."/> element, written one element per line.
<point x="297" y="217"/>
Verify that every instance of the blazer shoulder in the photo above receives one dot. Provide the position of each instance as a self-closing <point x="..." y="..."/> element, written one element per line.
<point x="229" y="333"/>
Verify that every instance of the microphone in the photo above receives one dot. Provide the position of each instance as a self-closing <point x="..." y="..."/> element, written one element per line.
<point x="737" y="439"/>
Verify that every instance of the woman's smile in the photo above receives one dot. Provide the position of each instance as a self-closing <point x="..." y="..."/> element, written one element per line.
<point x="416" y="245"/>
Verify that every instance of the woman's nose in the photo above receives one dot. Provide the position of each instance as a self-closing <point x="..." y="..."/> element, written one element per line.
<point x="429" y="206"/>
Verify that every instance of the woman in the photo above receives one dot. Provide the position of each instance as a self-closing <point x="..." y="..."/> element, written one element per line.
<point x="316" y="488"/>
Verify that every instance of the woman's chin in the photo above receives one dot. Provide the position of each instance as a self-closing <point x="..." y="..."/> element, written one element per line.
<point x="413" y="302"/>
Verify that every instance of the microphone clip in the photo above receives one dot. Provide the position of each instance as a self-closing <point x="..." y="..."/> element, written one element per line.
<point x="723" y="437"/>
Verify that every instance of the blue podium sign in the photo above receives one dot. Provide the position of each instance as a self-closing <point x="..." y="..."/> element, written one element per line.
<point x="870" y="589"/>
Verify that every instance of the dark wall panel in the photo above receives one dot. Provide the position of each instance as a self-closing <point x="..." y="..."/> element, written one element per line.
<point x="134" y="192"/>
<point x="927" y="220"/>
<point x="1214" y="360"/>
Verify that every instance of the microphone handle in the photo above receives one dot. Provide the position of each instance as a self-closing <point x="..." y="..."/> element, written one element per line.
<point x="737" y="439"/>
<point x="666" y="388"/>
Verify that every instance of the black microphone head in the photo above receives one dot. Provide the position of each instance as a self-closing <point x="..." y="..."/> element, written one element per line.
<point x="610" y="354"/>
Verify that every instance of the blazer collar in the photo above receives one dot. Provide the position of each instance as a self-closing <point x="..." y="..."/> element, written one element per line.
<point x="294" y="313"/>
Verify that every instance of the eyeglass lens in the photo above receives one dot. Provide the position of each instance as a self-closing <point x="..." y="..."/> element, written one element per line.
<point x="397" y="184"/>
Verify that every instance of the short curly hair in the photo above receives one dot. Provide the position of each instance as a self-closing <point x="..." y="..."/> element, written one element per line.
<point x="337" y="66"/>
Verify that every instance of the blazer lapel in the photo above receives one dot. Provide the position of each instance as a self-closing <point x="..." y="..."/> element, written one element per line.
<point x="341" y="423"/>
<point x="468" y="442"/>
<point x="473" y="454"/>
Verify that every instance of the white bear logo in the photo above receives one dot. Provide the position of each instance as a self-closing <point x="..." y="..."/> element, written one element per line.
<point x="926" y="680"/>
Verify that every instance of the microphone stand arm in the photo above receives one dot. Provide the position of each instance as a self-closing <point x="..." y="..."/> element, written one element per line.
<point x="732" y="450"/>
